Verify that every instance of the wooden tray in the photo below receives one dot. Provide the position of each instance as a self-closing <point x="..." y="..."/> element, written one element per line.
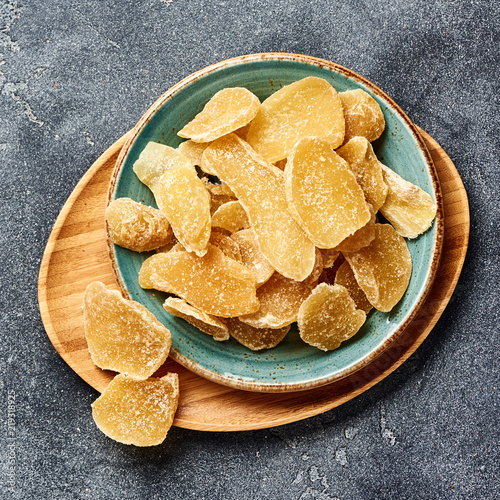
<point x="76" y="255"/>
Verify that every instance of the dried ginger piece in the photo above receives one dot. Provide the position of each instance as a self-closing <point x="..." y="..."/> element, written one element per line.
<point x="205" y="322"/>
<point x="243" y="131"/>
<point x="136" y="226"/>
<point x="227" y="245"/>
<point x="363" y="115"/>
<point x="322" y="193"/>
<point x="219" y="194"/>
<point x="231" y="216"/>
<point x="122" y="335"/>
<point x="256" y="339"/>
<point x="328" y="317"/>
<point x="383" y="268"/>
<point x="259" y="187"/>
<point x="308" y="107"/>
<point x="345" y="277"/>
<point x="193" y="151"/>
<point x="359" y="154"/>
<point x="214" y="283"/>
<point x="182" y="197"/>
<point x="228" y="110"/>
<point x="407" y="207"/>
<point x="251" y="255"/>
<point x="138" y="412"/>
<point x="361" y="238"/>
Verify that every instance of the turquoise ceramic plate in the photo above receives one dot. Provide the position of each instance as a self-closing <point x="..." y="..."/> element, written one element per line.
<point x="293" y="365"/>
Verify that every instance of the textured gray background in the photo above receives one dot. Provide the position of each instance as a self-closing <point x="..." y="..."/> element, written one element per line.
<point x="76" y="75"/>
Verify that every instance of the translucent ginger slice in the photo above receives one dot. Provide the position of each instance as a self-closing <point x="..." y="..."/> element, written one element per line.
<point x="345" y="277"/>
<point x="259" y="187"/>
<point x="122" y="335"/>
<point x="407" y="207"/>
<point x="231" y="216"/>
<point x="363" y="115"/>
<point x="193" y="151"/>
<point x="214" y="283"/>
<point x="361" y="238"/>
<point x="256" y="339"/>
<point x="138" y="412"/>
<point x="383" y="268"/>
<point x="328" y="317"/>
<point x="228" y="110"/>
<point x="136" y="226"/>
<point x="182" y="197"/>
<point x="205" y="322"/>
<point x="322" y="193"/>
<point x="359" y="154"/>
<point x="308" y="107"/>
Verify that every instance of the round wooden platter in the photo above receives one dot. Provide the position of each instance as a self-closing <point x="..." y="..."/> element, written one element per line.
<point x="76" y="254"/>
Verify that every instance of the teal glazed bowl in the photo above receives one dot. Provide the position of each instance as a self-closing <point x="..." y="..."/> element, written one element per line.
<point x="292" y="365"/>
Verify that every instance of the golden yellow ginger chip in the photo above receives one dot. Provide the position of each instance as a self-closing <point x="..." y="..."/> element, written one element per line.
<point x="308" y="107"/>
<point x="251" y="255"/>
<point x="256" y="338"/>
<point x="214" y="283"/>
<point x="182" y="197"/>
<point x="322" y="193"/>
<point x="363" y="115"/>
<point x="358" y="153"/>
<point x="383" y="268"/>
<point x="154" y="160"/>
<point x="228" y="110"/>
<point x="345" y="277"/>
<point x="205" y="322"/>
<point x="231" y="216"/>
<point x="228" y="246"/>
<point x="138" y="412"/>
<point x="193" y="151"/>
<point x="328" y="317"/>
<point x="407" y="207"/>
<point x="122" y="335"/>
<point x="136" y="226"/>
<point x="361" y="238"/>
<point x="259" y="187"/>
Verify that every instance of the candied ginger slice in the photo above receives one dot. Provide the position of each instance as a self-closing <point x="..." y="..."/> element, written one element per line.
<point x="228" y="246"/>
<point x="193" y="151"/>
<point x="251" y="255"/>
<point x="345" y="277"/>
<point x="256" y="339"/>
<point x="259" y="187"/>
<point x="308" y="107"/>
<point x="322" y="193"/>
<point x="182" y="197"/>
<point x="363" y="115"/>
<point x="228" y="110"/>
<point x="407" y="207"/>
<point x="214" y="283"/>
<point x="231" y="216"/>
<point x="136" y="226"/>
<point x="329" y="256"/>
<point x="328" y="317"/>
<point x="358" y="153"/>
<point x="383" y="268"/>
<point x="205" y="322"/>
<point x="122" y="335"/>
<point x="361" y="238"/>
<point x="138" y="412"/>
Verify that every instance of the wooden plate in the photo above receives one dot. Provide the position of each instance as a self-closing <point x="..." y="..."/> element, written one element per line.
<point x="76" y="254"/>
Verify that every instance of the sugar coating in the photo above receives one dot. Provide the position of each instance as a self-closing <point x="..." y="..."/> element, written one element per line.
<point x="383" y="268"/>
<point x="228" y="110"/>
<point x="308" y="107"/>
<point x="256" y="339"/>
<point x="322" y="193"/>
<point x="407" y="207"/>
<point x="359" y="154"/>
<point x="122" y="335"/>
<point x="205" y="322"/>
<point x="137" y="412"/>
<point x="136" y="226"/>
<point x="230" y="216"/>
<point x="214" y="283"/>
<point x="259" y="187"/>
<point x="328" y="317"/>
<point x="361" y="238"/>
<point x="363" y="115"/>
<point x="193" y="151"/>
<point x="183" y="198"/>
<point x="345" y="277"/>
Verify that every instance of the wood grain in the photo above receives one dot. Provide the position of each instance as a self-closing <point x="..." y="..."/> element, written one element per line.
<point x="76" y="255"/>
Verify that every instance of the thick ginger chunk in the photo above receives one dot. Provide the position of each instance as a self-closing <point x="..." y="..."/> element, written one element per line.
<point x="231" y="216"/>
<point x="138" y="412"/>
<point x="256" y="339"/>
<point x="345" y="277"/>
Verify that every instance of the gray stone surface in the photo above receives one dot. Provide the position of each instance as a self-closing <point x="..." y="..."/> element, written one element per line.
<point x="76" y="75"/>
